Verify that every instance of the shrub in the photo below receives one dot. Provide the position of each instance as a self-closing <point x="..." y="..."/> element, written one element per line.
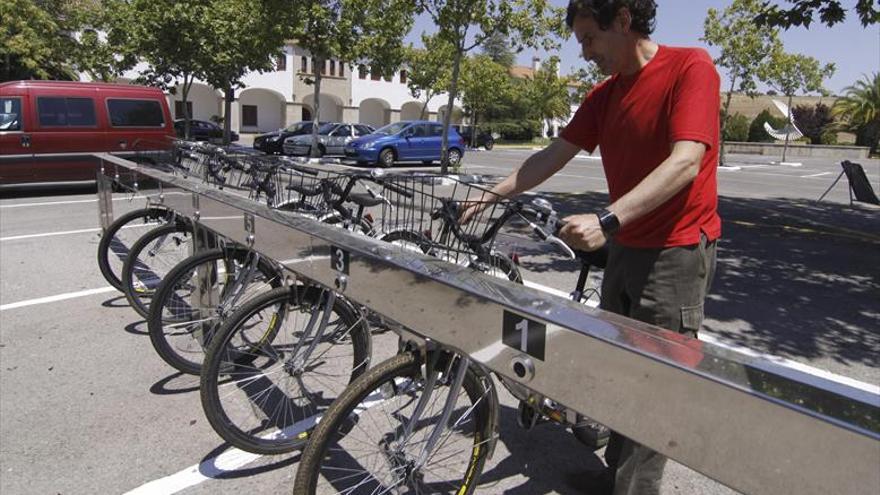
<point x="814" y="122"/>
<point x="523" y="130"/>
<point x="757" y="133"/>
<point x="737" y="128"/>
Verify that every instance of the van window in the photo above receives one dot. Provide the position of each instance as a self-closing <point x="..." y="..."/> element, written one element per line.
<point x="135" y="113"/>
<point x="63" y="112"/>
<point x="10" y="114"/>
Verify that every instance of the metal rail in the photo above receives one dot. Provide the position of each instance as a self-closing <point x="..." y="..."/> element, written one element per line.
<point x="756" y="426"/>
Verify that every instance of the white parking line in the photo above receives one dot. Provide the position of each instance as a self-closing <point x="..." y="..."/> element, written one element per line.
<point x="816" y="175"/>
<point x="59" y="297"/>
<point x="47" y="234"/>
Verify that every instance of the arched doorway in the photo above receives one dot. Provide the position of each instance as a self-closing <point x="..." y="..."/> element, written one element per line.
<point x="457" y="115"/>
<point x="330" y="111"/>
<point x="412" y="111"/>
<point x="260" y="110"/>
<point x="203" y="102"/>
<point x="374" y="112"/>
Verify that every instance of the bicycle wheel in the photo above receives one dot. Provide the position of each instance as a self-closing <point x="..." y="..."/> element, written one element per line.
<point x="361" y="446"/>
<point x="499" y="266"/>
<point x="184" y="315"/>
<point x="268" y="375"/>
<point x="150" y="259"/>
<point x="409" y="240"/>
<point x="116" y="242"/>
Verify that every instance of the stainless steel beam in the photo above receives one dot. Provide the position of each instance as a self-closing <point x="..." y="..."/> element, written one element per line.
<point x="754" y="425"/>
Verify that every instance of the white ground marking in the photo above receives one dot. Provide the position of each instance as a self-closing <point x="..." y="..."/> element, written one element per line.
<point x="81" y="231"/>
<point x="815" y="175"/>
<point x="59" y="297"/>
<point x="71" y="202"/>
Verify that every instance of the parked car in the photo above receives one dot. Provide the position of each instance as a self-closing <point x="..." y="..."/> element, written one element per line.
<point x="202" y="130"/>
<point x="407" y="141"/>
<point x="273" y="142"/>
<point x="50" y="129"/>
<point x="332" y="138"/>
<point x="484" y="138"/>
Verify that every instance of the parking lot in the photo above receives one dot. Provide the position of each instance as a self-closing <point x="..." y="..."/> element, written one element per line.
<point x="87" y="407"/>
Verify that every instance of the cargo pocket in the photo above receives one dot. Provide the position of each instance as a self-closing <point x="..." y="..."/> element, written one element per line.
<point x="691" y="319"/>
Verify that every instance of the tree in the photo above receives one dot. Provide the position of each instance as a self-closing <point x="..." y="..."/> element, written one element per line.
<point x="484" y="83"/>
<point x="497" y="48"/>
<point x="801" y="13"/>
<point x="586" y="78"/>
<point x="737" y="128"/>
<point x="351" y="31"/>
<point x="467" y="24"/>
<point x="429" y="69"/>
<point x="744" y="48"/>
<point x="757" y="133"/>
<point x="36" y="40"/>
<point x="549" y="93"/>
<point x="814" y="121"/>
<point x="169" y="36"/>
<point x="858" y="111"/>
<point x="792" y="73"/>
<point x="245" y="36"/>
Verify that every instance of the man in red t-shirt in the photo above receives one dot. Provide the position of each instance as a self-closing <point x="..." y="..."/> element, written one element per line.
<point x="656" y="123"/>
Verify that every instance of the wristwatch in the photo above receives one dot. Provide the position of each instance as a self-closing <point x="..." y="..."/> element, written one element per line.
<point x="609" y="222"/>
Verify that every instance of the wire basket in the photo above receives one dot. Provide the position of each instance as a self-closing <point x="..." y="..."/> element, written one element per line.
<point x="426" y="209"/>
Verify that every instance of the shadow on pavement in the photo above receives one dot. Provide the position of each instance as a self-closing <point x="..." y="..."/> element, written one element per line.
<point x="794" y="277"/>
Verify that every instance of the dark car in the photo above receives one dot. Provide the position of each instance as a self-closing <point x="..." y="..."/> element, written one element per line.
<point x="202" y="130"/>
<point x="408" y="141"/>
<point x="484" y="138"/>
<point x="273" y="142"/>
<point x="332" y="139"/>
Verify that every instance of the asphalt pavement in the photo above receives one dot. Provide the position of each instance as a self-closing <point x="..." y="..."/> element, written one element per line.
<point x="87" y="407"/>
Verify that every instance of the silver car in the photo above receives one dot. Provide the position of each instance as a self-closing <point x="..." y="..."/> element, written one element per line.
<point x="332" y="138"/>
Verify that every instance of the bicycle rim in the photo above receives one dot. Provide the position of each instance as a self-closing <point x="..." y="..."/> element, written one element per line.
<point x="258" y="390"/>
<point x="150" y="260"/>
<point x="185" y="314"/>
<point x="120" y="236"/>
<point x="360" y="447"/>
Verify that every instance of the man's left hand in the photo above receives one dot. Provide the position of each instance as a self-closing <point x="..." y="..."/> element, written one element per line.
<point x="583" y="232"/>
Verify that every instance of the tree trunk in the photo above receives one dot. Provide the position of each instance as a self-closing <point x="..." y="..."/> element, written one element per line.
<point x="725" y="118"/>
<point x="453" y="88"/>
<point x="788" y="121"/>
<point x="317" y="68"/>
<point x="184" y="95"/>
<point x="424" y="114"/>
<point x="227" y="110"/>
<point x="474" y="140"/>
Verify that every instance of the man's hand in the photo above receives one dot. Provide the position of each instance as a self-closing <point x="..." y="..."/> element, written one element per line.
<point x="583" y="232"/>
<point x="471" y="207"/>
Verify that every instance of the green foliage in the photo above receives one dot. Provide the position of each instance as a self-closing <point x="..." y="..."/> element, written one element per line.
<point x="467" y="24"/>
<point x="36" y="41"/>
<point x="429" y="68"/>
<point x="757" y="133"/>
<point x="497" y="48"/>
<point x="737" y="128"/>
<point x="586" y="78"/>
<point x="484" y="84"/>
<point x="814" y="122"/>
<point x="514" y="130"/>
<point x="549" y="93"/>
<point x="858" y="111"/>
<point x="802" y="12"/>
<point x="790" y="73"/>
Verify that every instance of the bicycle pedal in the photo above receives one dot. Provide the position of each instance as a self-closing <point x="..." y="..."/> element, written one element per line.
<point x="527" y="416"/>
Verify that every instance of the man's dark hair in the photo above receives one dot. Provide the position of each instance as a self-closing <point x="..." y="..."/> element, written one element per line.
<point x="604" y="11"/>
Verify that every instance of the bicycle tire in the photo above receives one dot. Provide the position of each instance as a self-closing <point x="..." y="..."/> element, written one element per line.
<point x="409" y="240"/>
<point x="113" y="241"/>
<point x="150" y="259"/>
<point x="317" y="462"/>
<point x="174" y="318"/>
<point x="254" y="394"/>
<point x="501" y="266"/>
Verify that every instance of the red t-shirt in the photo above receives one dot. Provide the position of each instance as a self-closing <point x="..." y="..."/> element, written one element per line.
<point x="635" y="119"/>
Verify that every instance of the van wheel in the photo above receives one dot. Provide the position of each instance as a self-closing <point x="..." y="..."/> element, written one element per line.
<point x="490" y="143"/>
<point x="386" y="158"/>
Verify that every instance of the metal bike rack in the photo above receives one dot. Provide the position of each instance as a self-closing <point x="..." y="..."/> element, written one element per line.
<point x="754" y="425"/>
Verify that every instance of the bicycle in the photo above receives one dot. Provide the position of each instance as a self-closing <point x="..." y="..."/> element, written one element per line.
<point x="424" y="421"/>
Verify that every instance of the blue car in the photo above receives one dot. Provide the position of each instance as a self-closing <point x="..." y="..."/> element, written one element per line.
<point x="408" y="141"/>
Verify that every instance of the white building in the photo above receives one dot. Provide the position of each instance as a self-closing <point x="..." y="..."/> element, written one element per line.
<point x="281" y="97"/>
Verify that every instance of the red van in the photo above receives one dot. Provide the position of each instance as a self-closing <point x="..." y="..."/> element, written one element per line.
<point x="48" y="129"/>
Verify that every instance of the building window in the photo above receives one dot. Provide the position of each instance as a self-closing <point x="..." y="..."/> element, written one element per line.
<point x="402" y="77"/>
<point x="304" y="62"/>
<point x="362" y="72"/>
<point x="281" y="62"/>
<point x="375" y="75"/>
<point x="341" y="69"/>
<point x="178" y="109"/>
<point x="332" y="67"/>
<point x="314" y="65"/>
<point x="249" y="115"/>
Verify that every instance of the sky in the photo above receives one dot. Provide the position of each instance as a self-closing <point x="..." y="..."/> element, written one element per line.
<point x="855" y="50"/>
